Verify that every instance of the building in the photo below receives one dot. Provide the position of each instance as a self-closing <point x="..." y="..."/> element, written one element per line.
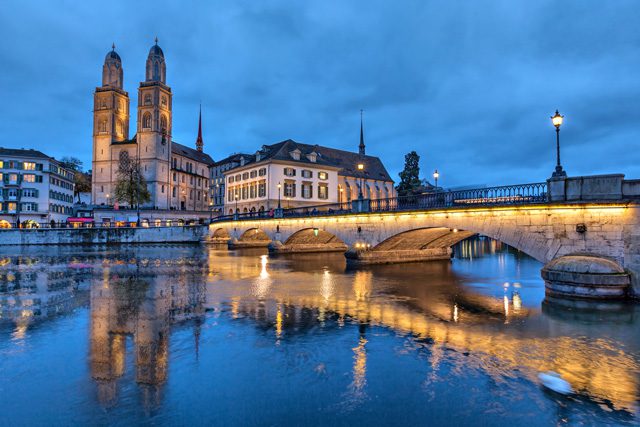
<point x="35" y="189"/>
<point x="217" y="178"/>
<point x="177" y="176"/>
<point x="290" y="174"/>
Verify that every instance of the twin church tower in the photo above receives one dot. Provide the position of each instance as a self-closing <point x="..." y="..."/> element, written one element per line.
<point x="151" y="143"/>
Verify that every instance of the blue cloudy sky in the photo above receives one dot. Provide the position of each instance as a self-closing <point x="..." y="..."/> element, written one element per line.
<point x="469" y="85"/>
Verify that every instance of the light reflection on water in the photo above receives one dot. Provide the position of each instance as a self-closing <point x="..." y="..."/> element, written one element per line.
<point x="188" y="334"/>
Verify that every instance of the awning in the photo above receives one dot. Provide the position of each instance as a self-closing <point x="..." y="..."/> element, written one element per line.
<point x="80" y="220"/>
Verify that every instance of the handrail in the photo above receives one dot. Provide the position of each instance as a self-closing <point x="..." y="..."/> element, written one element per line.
<point x="519" y="194"/>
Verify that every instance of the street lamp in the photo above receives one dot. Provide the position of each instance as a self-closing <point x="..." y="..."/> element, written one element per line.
<point x="279" y="187"/>
<point x="107" y="199"/>
<point x="436" y="175"/>
<point x="556" y="119"/>
<point x="210" y="212"/>
<point x="340" y="196"/>
<point x="361" y="170"/>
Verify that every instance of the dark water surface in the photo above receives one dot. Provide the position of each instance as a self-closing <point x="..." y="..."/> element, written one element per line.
<point x="196" y="335"/>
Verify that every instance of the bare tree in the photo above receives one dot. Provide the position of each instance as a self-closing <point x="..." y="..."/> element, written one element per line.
<point x="131" y="187"/>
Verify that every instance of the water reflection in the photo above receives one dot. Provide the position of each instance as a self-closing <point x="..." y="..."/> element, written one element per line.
<point x="483" y="314"/>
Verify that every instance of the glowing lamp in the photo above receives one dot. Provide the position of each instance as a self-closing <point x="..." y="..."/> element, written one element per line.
<point x="556" y="119"/>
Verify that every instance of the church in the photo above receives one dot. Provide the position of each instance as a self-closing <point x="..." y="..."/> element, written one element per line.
<point x="177" y="176"/>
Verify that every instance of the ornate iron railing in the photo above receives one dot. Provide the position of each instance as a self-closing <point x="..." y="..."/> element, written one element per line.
<point x="521" y="194"/>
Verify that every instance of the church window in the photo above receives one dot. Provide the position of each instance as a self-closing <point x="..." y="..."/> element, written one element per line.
<point x="103" y="126"/>
<point x="146" y="121"/>
<point x="174" y="191"/>
<point x="163" y="123"/>
<point x="119" y="128"/>
<point x="162" y="189"/>
<point x="147" y="99"/>
<point x="164" y="101"/>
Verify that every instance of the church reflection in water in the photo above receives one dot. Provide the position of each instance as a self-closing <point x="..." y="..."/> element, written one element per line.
<point x="136" y="296"/>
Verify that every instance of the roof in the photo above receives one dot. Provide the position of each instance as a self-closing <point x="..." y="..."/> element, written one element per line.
<point x="191" y="153"/>
<point x="346" y="161"/>
<point x="21" y="152"/>
<point x="112" y="55"/>
<point x="235" y="158"/>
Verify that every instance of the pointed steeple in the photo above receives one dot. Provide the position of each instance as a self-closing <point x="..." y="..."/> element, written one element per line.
<point x="199" y="142"/>
<point x="361" y="146"/>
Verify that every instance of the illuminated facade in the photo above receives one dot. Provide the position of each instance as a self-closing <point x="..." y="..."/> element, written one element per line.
<point x="291" y="174"/>
<point x="177" y="176"/>
<point x="34" y="188"/>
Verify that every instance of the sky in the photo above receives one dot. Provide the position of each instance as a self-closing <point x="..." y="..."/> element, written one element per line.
<point x="468" y="85"/>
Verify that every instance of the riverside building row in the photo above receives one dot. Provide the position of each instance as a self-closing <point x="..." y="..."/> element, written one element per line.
<point x="34" y="189"/>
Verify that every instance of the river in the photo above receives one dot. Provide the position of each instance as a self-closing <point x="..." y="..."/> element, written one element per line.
<point x="198" y="335"/>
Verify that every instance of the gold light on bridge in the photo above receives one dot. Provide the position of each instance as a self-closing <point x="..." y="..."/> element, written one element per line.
<point x="556" y="119"/>
<point x="315" y="231"/>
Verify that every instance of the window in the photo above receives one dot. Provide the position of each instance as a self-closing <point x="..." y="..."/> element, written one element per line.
<point x="174" y="191"/>
<point x="253" y="174"/>
<point x="262" y="171"/>
<point x="102" y="128"/>
<point x="244" y="192"/>
<point x="174" y="177"/>
<point x="163" y="123"/>
<point x="323" y="175"/>
<point x="289" y="189"/>
<point x="231" y="180"/>
<point x="29" y="166"/>
<point x="147" y="99"/>
<point x="146" y="121"/>
<point x="323" y="191"/>
<point x="164" y="101"/>
<point x="262" y="189"/>
<point x="162" y="189"/>
<point x="238" y="178"/>
<point x="245" y="175"/>
<point x="289" y="171"/>
<point x="252" y="190"/>
<point x="306" y="173"/>
<point x="307" y="190"/>
<point x="119" y="128"/>
<point x="295" y="154"/>
<point x="29" y="177"/>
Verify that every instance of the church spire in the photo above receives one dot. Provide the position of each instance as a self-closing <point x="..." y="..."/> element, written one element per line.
<point x="199" y="143"/>
<point x="361" y="146"/>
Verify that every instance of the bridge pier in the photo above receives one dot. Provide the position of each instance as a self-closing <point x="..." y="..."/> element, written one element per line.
<point x="363" y="256"/>
<point x="277" y="247"/>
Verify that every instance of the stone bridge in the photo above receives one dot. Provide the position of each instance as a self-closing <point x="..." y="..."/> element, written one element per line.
<point x="608" y="229"/>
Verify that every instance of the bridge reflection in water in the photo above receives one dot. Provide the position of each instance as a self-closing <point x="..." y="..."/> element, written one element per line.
<point x="136" y="297"/>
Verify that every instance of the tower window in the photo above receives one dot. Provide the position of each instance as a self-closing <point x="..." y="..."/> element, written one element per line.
<point x="103" y="126"/>
<point x="147" y="99"/>
<point x="163" y="123"/>
<point x="146" y="121"/>
<point x="164" y="101"/>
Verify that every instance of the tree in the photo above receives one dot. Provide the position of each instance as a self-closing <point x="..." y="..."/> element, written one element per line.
<point x="410" y="177"/>
<point x="81" y="180"/>
<point x="131" y="187"/>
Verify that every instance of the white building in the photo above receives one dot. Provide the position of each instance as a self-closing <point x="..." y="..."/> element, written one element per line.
<point x="290" y="174"/>
<point x="35" y="188"/>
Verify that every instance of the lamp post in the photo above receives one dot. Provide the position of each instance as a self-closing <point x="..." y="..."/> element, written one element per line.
<point x="557" y="119"/>
<point x="107" y="199"/>
<point x="361" y="170"/>
<point x="210" y="212"/>
<point x="340" y="196"/>
<point x="279" y="187"/>
<point x="436" y="175"/>
<point x="236" y="197"/>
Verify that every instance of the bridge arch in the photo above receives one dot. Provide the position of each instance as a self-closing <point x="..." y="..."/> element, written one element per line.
<point x="311" y="239"/>
<point x="254" y="234"/>
<point x="220" y="235"/>
<point x="424" y="238"/>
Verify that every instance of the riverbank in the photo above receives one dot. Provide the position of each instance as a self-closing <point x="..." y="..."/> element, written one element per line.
<point x="92" y="236"/>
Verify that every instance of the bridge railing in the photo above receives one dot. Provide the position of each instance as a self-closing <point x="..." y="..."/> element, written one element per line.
<point x="520" y="194"/>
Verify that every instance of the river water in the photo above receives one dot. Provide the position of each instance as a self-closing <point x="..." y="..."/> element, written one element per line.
<point x="198" y="335"/>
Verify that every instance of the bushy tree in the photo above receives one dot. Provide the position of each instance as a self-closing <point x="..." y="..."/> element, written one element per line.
<point x="82" y="180"/>
<point x="410" y="176"/>
<point x="131" y="187"/>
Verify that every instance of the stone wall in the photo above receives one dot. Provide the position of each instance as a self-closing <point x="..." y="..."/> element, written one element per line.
<point x="74" y="236"/>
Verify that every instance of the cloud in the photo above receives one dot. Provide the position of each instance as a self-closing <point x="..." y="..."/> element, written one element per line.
<point x="469" y="85"/>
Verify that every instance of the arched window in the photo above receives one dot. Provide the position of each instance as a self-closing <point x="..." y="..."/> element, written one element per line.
<point x="146" y="121"/>
<point x="124" y="156"/>
<point x="348" y="191"/>
<point x="163" y="123"/>
<point x="119" y="128"/>
<point x="174" y="191"/>
<point x="147" y="99"/>
<point x="102" y="127"/>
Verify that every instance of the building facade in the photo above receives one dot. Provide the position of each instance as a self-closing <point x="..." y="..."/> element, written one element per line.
<point x="34" y="189"/>
<point x="218" y="184"/>
<point x="290" y="174"/>
<point x="177" y="176"/>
